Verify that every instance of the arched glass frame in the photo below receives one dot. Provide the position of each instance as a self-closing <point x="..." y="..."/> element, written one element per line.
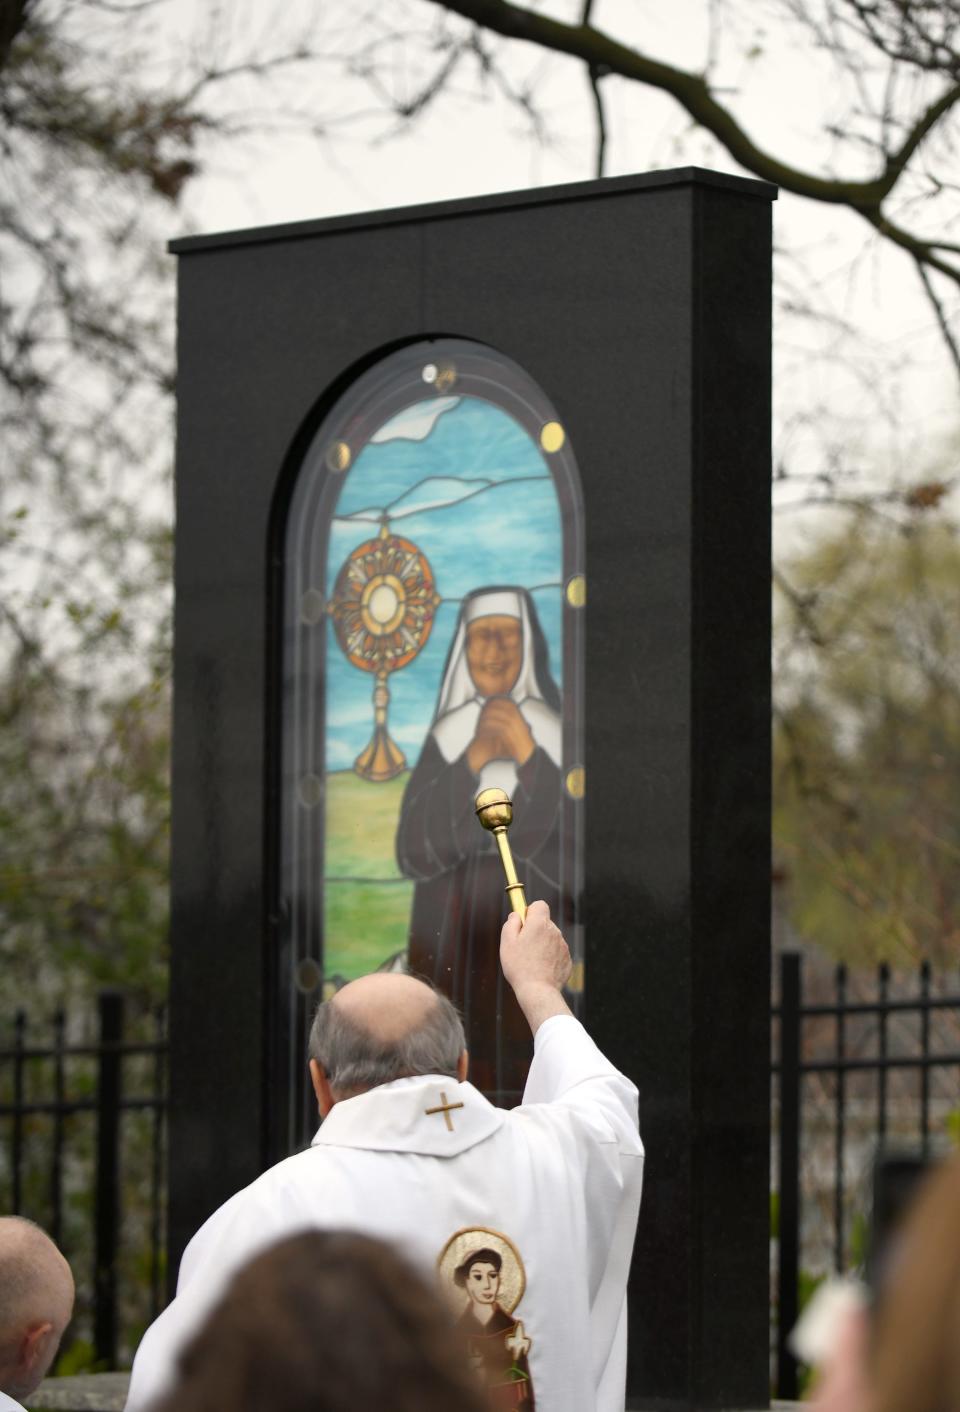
<point x="432" y="644"/>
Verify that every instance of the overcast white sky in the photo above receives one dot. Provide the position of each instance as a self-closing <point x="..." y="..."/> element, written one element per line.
<point x="466" y="147"/>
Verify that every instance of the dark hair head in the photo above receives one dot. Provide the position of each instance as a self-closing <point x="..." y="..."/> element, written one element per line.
<point x="326" y="1322"/>
<point x="486" y="1256"/>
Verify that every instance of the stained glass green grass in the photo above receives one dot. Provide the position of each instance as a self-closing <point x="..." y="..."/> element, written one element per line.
<point x="366" y="898"/>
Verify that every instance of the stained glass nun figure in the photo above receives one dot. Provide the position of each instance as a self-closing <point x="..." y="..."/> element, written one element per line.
<point x="497" y="722"/>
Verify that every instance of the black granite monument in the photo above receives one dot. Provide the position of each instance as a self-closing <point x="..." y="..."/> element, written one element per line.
<point x="620" y="332"/>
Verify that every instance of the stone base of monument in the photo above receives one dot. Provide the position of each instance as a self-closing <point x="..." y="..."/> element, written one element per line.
<point x="107" y="1392"/>
<point x="89" y="1392"/>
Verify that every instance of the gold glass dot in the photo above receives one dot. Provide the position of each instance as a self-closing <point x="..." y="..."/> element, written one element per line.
<point x="446" y="377"/>
<point x="311" y="606"/>
<point x="552" y="436"/>
<point x="577" y="591"/>
<point x="310" y="791"/>
<point x="338" y="457"/>
<point x="576" y="782"/>
<point x="308" y="975"/>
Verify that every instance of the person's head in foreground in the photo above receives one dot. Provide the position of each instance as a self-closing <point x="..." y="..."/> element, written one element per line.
<point x="905" y="1355"/>
<point x="36" y="1301"/>
<point x="326" y="1321"/>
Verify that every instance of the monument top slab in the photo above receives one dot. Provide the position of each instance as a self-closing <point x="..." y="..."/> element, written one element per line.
<point x="476" y="205"/>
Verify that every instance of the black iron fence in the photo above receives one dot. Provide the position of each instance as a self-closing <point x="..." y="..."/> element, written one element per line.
<point x="854" y="1072"/>
<point x="84" y="1114"/>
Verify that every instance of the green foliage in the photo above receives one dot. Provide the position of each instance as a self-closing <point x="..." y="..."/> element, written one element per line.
<point x="807" y="1286"/>
<point x="90" y="156"/>
<point x="859" y="1241"/>
<point x="952" y="1126"/>
<point x="867" y="742"/>
<point x="77" y="1357"/>
<point x="84" y="842"/>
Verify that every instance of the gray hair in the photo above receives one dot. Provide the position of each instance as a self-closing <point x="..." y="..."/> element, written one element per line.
<point x="354" y="1061"/>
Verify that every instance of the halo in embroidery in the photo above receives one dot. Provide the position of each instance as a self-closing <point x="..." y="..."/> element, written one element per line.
<point x="463" y="1244"/>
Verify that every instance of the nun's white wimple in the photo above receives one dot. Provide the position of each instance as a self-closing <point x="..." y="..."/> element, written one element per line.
<point x="459" y="703"/>
<point x="488" y="605"/>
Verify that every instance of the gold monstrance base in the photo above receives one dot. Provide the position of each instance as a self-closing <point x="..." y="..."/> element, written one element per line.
<point x="381" y="759"/>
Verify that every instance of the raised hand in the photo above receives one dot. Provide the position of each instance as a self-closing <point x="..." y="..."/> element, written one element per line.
<point x="536" y="961"/>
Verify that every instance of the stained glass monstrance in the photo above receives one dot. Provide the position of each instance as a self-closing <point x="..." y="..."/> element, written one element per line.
<point x="382" y="608"/>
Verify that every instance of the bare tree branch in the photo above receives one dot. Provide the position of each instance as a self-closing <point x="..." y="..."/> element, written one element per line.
<point x="603" y="55"/>
<point x="937" y="306"/>
<point x="594" y="75"/>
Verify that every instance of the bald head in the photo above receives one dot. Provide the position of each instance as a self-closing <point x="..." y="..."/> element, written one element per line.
<point x="382" y="1027"/>
<point x="387" y="1005"/>
<point x="36" y="1301"/>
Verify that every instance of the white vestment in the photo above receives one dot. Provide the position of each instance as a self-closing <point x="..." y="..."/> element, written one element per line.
<point x="558" y="1178"/>
<point x="7" y="1404"/>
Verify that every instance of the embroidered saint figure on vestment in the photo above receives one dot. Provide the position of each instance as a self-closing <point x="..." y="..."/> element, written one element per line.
<point x="486" y="1278"/>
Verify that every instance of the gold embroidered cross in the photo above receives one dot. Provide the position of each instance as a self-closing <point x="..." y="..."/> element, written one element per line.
<point x="446" y="1109"/>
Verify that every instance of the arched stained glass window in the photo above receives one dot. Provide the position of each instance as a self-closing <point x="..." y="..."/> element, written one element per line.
<point x="433" y="628"/>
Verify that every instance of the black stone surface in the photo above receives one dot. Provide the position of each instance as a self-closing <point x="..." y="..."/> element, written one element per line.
<point x="642" y="306"/>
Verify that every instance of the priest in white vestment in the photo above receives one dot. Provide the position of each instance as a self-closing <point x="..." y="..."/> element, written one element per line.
<point x="527" y="1215"/>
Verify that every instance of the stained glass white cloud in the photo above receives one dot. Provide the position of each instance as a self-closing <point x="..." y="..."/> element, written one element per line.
<point x="414" y="423"/>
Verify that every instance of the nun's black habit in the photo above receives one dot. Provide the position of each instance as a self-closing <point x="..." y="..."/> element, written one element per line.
<point x="459" y="903"/>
